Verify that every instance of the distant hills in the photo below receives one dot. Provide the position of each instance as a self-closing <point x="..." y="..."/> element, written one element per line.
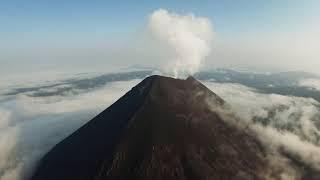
<point x="284" y="83"/>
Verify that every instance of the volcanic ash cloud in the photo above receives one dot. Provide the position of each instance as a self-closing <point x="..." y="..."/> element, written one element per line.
<point x="188" y="37"/>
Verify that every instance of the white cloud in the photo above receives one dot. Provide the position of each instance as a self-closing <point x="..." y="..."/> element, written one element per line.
<point x="282" y="123"/>
<point x="5" y="118"/>
<point x="311" y="83"/>
<point x="188" y="37"/>
<point x="30" y="126"/>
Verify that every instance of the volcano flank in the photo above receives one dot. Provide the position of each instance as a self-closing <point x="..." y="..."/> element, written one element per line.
<point x="163" y="128"/>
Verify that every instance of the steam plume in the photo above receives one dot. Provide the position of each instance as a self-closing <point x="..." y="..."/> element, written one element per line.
<point x="187" y="36"/>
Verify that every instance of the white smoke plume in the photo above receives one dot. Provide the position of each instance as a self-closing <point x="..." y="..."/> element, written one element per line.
<point x="187" y="36"/>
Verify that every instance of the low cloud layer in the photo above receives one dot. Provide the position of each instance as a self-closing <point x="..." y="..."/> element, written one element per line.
<point x="188" y="37"/>
<point x="30" y="126"/>
<point x="288" y="126"/>
<point x="311" y="83"/>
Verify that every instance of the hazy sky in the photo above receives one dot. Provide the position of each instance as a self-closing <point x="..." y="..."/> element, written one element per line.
<point x="87" y="35"/>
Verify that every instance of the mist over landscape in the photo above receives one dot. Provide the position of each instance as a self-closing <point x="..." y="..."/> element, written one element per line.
<point x="35" y="118"/>
<point x="268" y="77"/>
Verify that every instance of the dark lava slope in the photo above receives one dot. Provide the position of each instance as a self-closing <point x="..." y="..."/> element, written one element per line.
<point x="162" y="129"/>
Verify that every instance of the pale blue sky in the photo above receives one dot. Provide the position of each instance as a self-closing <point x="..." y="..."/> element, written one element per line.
<point x="56" y="27"/>
<point x="35" y="19"/>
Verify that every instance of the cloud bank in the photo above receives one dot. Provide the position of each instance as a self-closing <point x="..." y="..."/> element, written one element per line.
<point x="30" y="126"/>
<point x="188" y="37"/>
<point x="287" y="126"/>
<point x="310" y="83"/>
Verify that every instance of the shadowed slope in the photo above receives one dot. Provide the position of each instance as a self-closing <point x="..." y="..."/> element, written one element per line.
<point x="80" y="155"/>
<point x="175" y="135"/>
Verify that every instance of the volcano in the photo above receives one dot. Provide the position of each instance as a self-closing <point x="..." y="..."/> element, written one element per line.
<point x="163" y="128"/>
